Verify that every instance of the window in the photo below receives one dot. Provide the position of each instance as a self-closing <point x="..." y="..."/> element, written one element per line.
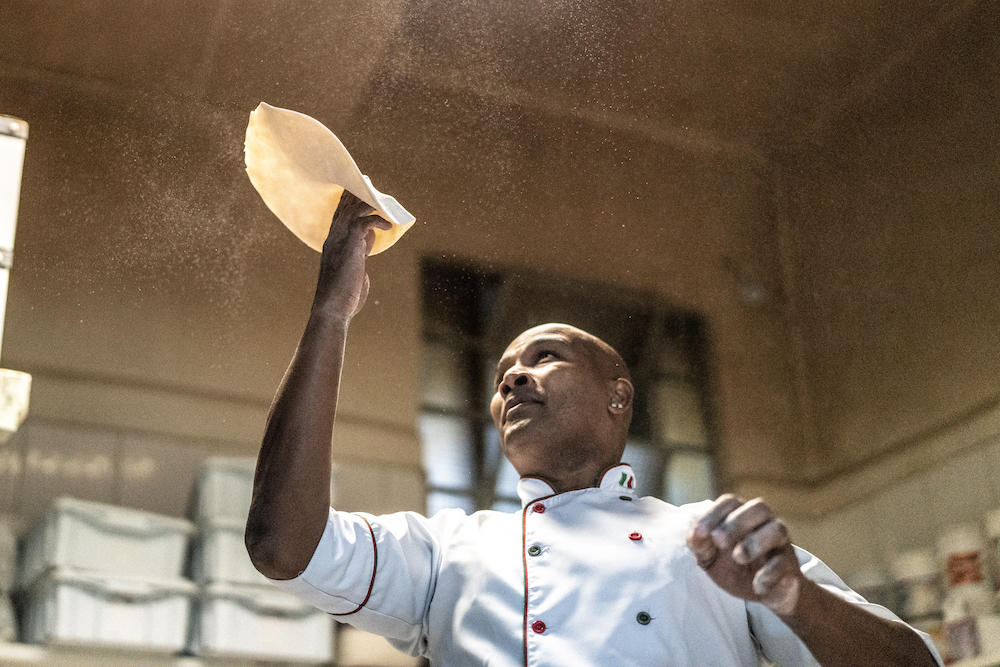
<point x="471" y="315"/>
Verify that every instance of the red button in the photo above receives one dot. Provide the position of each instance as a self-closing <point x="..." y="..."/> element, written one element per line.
<point x="539" y="508"/>
<point x="538" y="627"/>
<point x="635" y="537"/>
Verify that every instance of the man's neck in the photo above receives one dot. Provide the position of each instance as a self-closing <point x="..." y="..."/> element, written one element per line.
<point x="582" y="479"/>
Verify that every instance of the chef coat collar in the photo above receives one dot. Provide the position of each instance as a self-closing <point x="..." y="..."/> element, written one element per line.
<point x="619" y="478"/>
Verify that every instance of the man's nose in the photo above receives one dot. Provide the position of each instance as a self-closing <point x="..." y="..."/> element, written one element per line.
<point x="514" y="377"/>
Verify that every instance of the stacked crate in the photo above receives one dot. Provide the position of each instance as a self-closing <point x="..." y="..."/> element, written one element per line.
<point x="101" y="575"/>
<point x="239" y="613"/>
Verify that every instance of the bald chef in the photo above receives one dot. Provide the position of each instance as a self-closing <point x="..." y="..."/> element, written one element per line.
<point x="588" y="574"/>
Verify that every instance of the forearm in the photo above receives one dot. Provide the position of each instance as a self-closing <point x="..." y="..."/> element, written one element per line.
<point x="840" y="634"/>
<point x="291" y="497"/>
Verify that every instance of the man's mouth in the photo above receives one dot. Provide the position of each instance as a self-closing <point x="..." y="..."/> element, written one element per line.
<point x="517" y="405"/>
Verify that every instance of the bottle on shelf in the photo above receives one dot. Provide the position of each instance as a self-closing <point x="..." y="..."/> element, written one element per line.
<point x="918" y="591"/>
<point x="967" y="595"/>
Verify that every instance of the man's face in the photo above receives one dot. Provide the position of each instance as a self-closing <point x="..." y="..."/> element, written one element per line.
<point x="551" y="402"/>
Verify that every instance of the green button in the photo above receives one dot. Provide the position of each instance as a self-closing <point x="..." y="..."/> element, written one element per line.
<point x="534" y="550"/>
<point x="643" y="618"/>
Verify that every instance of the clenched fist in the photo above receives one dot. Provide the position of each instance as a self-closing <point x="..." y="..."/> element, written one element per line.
<point x="747" y="552"/>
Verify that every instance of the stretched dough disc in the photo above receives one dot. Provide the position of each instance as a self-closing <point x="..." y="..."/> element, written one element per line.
<point x="301" y="170"/>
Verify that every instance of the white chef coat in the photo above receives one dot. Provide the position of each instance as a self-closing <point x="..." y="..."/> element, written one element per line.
<point x="593" y="577"/>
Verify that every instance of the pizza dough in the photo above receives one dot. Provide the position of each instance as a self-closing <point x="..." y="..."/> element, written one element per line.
<point x="301" y="170"/>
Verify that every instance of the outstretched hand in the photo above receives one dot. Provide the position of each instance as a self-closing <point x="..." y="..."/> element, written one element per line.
<point x="747" y="552"/>
<point x="342" y="287"/>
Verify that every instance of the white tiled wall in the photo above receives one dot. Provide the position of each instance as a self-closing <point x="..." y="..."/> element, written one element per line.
<point x="154" y="472"/>
<point x="907" y="515"/>
<point x="45" y="460"/>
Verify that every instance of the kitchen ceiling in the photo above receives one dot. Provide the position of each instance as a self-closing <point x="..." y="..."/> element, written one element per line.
<point x="713" y="73"/>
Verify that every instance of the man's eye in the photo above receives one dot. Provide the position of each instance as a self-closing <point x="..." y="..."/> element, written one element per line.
<point x="547" y="354"/>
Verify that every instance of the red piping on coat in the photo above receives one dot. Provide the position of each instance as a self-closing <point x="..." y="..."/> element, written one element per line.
<point x="371" y="584"/>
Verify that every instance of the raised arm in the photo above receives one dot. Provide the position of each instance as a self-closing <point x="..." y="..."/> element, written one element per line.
<point x="748" y="553"/>
<point x="291" y="494"/>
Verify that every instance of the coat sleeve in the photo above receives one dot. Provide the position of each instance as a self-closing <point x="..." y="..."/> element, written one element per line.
<point x="779" y="644"/>
<point x="376" y="573"/>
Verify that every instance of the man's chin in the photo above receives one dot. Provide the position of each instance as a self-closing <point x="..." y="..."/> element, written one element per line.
<point x="516" y="429"/>
<point x="523" y="439"/>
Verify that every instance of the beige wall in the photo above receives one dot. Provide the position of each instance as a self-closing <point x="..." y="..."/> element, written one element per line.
<point x="895" y="221"/>
<point x="153" y="291"/>
<point x="154" y="296"/>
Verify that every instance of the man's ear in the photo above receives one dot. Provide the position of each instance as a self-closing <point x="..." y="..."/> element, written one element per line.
<point x="621" y="398"/>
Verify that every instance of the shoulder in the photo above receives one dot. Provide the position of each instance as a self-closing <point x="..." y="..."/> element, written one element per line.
<point x="455" y="521"/>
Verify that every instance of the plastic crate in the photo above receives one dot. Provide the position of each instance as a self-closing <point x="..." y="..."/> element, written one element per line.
<point x="86" y="608"/>
<point x="223" y="488"/>
<point x="106" y="538"/>
<point x="259" y="623"/>
<point x="220" y="554"/>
